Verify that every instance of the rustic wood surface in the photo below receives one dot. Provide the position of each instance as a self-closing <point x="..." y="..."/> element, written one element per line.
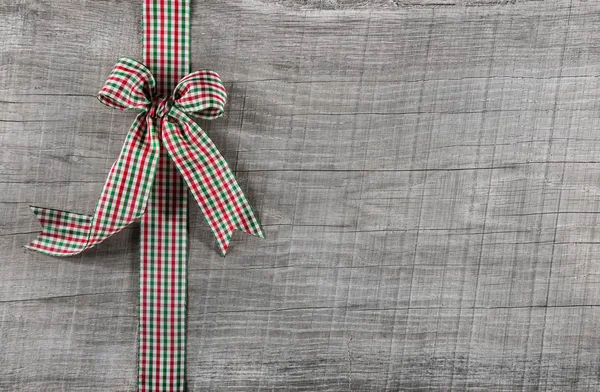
<point x="426" y="171"/>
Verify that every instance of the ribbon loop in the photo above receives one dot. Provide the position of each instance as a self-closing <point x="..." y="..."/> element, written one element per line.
<point x="130" y="85"/>
<point x="202" y="94"/>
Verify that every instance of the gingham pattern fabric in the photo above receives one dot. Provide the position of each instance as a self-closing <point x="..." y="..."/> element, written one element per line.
<point x="164" y="151"/>
<point x="163" y="277"/>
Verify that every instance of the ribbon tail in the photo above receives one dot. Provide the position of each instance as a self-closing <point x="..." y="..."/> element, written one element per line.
<point x="210" y="180"/>
<point x="62" y="231"/>
<point x="123" y="199"/>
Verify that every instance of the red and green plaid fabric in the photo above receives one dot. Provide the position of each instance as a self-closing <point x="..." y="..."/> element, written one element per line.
<point x="163" y="252"/>
<point x="165" y="153"/>
<point x="164" y="124"/>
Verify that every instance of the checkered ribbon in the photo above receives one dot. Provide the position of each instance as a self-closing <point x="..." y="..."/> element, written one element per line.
<point x="164" y="151"/>
<point x="127" y="189"/>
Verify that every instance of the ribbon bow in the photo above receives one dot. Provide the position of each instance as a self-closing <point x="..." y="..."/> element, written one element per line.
<point x="163" y="123"/>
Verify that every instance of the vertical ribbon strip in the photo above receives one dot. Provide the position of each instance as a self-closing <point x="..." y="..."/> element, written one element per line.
<point x="163" y="251"/>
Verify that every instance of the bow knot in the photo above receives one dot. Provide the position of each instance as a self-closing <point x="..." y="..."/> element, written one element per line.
<point x="161" y="107"/>
<point x="126" y="191"/>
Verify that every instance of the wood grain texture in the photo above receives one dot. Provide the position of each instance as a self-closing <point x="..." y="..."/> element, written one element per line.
<point x="386" y="4"/>
<point x="427" y="175"/>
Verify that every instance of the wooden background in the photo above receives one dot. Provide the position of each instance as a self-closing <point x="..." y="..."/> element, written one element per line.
<point x="426" y="171"/>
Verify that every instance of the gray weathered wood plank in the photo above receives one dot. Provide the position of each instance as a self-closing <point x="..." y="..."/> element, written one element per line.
<point x="426" y="172"/>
